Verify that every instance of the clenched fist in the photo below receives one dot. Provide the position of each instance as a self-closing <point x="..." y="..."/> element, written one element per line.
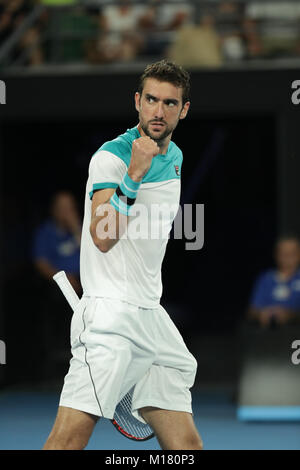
<point x="143" y="150"/>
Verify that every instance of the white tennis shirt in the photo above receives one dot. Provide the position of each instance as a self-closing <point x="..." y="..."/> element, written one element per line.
<point x="131" y="269"/>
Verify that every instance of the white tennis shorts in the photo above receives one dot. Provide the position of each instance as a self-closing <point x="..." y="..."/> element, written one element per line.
<point x="117" y="345"/>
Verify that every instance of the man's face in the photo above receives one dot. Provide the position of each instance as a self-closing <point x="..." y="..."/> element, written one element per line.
<point x="160" y="108"/>
<point x="63" y="207"/>
<point x="288" y="255"/>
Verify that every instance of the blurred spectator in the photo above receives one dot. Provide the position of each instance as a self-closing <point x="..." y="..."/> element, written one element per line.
<point x="254" y="47"/>
<point x="160" y="22"/>
<point x="197" y="45"/>
<point x="57" y="241"/>
<point x="12" y="14"/>
<point x="276" y="295"/>
<point x="119" y="35"/>
<point x="56" y="246"/>
<point x="5" y="21"/>
<point x="229" y="19"/>
<point x="272" y="29"/>
<point x="70" y="32"/>
<point x="165" y="16"/>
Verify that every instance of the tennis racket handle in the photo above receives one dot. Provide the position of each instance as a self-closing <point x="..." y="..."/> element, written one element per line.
<point x="67" y="289"/>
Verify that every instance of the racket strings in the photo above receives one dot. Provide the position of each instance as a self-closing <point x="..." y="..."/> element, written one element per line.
<point x="127" y="424"/>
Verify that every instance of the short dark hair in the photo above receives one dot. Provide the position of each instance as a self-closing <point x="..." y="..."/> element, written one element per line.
<point x="167" y="71"/>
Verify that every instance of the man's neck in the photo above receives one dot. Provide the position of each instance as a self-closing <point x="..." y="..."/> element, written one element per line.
<point x="285" y="274"/>
<point x="60" y="226"/>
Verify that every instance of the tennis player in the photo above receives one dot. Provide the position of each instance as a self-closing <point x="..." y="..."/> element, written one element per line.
<point x="120" y="334"/>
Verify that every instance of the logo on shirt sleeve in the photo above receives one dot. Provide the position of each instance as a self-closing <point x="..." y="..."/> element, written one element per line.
<point x="177" y="170"/>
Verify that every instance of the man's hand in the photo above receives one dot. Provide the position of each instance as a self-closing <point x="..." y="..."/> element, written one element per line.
<point x="143" y="150"/>
<point x="281" y="315"/>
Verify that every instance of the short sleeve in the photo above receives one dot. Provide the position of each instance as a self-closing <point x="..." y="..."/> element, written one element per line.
<point x="41" y="246"/>
<point x="260" y="293"/>
<point x="106" y="170"/>
<point x="295" y="298"/>
<point x="295" y="302"/>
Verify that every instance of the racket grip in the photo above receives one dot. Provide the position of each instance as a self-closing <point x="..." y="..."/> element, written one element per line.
<point x="67" y="289"/>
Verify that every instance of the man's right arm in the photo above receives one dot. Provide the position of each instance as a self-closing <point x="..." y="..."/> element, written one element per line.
<point x="107" y="224"/>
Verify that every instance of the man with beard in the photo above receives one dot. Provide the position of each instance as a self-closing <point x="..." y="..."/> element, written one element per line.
<point x="121" y="336"/>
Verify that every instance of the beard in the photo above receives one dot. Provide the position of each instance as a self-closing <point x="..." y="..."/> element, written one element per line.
<point x="158" y="137"/>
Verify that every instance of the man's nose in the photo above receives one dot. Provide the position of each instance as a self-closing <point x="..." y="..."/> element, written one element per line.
<point x="159" y="111"/>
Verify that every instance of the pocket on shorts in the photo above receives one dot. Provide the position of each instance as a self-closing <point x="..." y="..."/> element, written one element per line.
<point x="111" y="316"/>
<point x="173" y="346"/>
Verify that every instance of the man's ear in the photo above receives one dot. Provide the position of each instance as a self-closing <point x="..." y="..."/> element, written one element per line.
<point x="184" y="110"/>
<point x="137" y="99"/>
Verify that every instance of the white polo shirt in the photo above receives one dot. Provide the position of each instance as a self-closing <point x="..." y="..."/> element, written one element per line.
<point x="131" y="269"/>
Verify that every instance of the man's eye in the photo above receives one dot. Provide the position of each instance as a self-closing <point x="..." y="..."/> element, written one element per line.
<point x="150" y="100"/>
<point x="171" y="103"/>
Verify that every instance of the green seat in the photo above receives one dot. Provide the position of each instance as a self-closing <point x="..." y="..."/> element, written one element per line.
<point x="58" y="2"/>
<point x="73" y="28"/>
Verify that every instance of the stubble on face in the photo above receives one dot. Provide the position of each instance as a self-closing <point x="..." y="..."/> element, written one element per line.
<point x="160" y="136"/>
<point x="159" y="133"/>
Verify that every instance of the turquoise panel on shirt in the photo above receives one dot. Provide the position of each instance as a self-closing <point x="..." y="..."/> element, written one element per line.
<point x="121" y="147"/>
<point x="163" y="167"/>
<point x="101" y="186"/>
